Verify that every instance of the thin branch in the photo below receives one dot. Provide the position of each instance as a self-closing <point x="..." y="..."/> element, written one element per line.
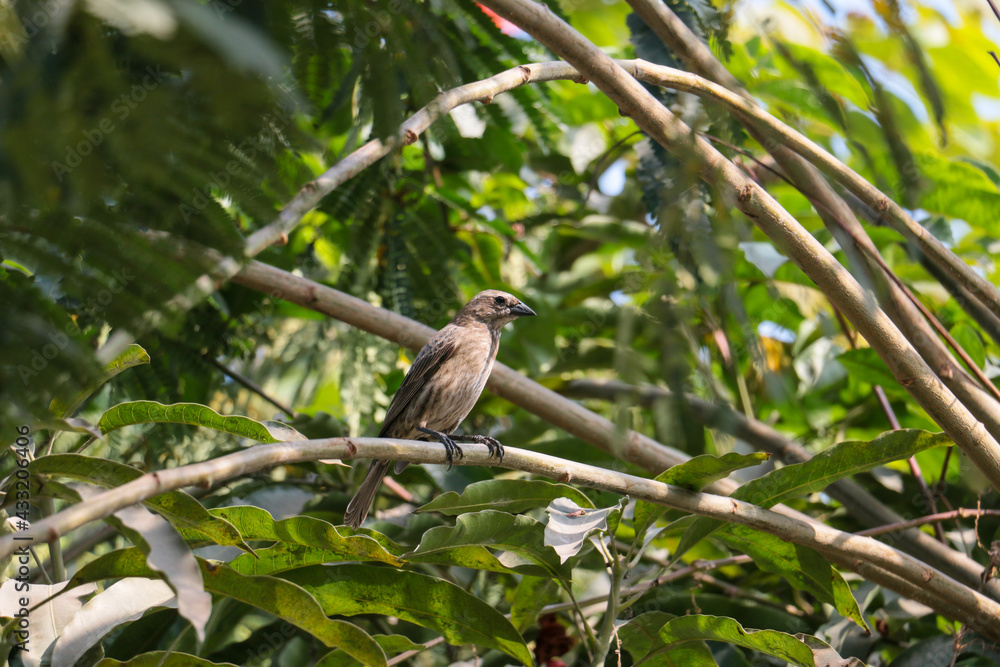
<point x="311" y="193"/>
<point x="987" y="320"/>
<point x="636" y="591"/>
<point x="749" y="594"/>
<point x="890" y="415"/>
<point x="961" y="512"/>
<point x="859" y="553"/>
<point x="249" y="384"/>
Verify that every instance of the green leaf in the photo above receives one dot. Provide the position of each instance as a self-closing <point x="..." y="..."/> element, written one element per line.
<point x="340" y="543"/>
<point x="458" y="616"/>
<point x="804" y="568"/>
<point x="640" y="637"/>
<point x="719" y="628"/>
<point x="280" y="597"/>
<point x="967" y="337"/>
<point x="133" y="355"/>
<point x="128" y="562"/>
<point x="864" y="364"/>
<point x="960" y="190"/>
<point x="466" y="544"/>
<point x="151" y="412"/>
<point x="841" y="460"/>
<point x="531" y="594"/>
<point x="177" y="507"/>
<point x="507" y="495"/>
<point x="694" y="474"/>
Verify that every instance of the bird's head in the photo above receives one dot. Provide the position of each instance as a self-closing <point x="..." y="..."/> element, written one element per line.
<point x="493" y="308"/>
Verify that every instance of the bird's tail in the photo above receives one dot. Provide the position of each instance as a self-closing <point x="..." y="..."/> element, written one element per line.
<point x="358" y="508"/>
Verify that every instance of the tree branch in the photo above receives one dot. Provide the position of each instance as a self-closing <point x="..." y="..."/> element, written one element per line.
<point x="900" y="305"/>
<point x="479" y="91"/>
<point x="811" y="256"/>
<point x="961" y="512"/>
<point x="934" y="588"/>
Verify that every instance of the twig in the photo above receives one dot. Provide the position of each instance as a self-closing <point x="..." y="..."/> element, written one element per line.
<point x="890" y="415"/>
<point x="599" y="164"/>
<point x="249" y="384"/>
<point x="741" y="592"/>
<point x="48" y="507"/>
<point x="406" y="655"/>
<point x="995" y="11"/>
<point x="961" y="512"/>
<point x="633" y="593"/>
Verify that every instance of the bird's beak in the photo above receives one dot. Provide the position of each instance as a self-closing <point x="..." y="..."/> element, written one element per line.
<point x="522" y="310"/>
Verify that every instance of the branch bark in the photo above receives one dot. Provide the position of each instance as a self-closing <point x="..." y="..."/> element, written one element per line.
<point x="921" y="582"/>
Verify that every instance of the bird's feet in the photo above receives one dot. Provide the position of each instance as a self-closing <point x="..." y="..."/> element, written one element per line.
<point x="496" y="449"/>
<point x="450" y="448"/>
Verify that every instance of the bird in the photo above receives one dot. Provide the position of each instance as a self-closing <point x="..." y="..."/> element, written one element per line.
<point x="441" y="388"/>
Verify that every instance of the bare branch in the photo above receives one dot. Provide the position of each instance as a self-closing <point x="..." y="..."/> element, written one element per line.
<point x="961" y="512"/>
<point x="479" y="91"/>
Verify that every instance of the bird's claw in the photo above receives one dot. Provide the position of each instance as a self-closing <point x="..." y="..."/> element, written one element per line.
<point x="492" y="444"/>
<point x="451" y="450"/>
<point x="496" y="449"/>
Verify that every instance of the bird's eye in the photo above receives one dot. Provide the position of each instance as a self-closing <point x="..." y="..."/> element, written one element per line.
<point x="500" y="301"/>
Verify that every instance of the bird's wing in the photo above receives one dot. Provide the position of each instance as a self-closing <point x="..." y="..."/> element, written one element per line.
<point x="429" y="359"/>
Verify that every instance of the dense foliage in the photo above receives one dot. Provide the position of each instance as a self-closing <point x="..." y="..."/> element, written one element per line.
<point x="133" y="136"/>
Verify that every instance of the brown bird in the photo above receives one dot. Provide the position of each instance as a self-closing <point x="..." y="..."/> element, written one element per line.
<point x="441" y="388"/>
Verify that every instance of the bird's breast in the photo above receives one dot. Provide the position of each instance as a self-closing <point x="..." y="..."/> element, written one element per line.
<point x="458" y="382"/>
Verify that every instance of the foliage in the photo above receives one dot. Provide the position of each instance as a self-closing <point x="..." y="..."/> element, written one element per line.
<point x="134" y="137"/>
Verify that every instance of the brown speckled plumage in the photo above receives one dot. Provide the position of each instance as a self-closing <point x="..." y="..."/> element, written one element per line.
<point x="443" y="384"/>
